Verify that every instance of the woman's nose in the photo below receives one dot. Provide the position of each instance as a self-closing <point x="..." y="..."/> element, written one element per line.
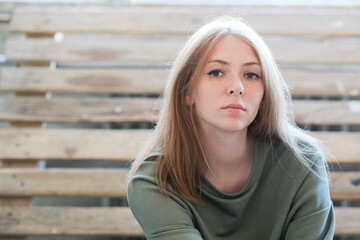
<point x="236" y="87"/>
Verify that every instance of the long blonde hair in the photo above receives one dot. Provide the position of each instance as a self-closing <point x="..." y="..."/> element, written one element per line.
<point x="181" y="160"/>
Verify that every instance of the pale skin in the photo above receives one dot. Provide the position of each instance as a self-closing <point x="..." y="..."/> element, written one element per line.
<point x="227" y="97"/>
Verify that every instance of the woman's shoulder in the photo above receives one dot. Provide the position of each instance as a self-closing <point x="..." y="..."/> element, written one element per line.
<point x="283" y="157"/>
<point x="147" y="168"/>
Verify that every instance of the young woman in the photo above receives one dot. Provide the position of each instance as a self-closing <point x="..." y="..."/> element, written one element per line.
<point x="226" y="160"/>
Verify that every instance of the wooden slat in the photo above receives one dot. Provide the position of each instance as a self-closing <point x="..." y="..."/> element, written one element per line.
<point x="124" y="81"/>
<point x="347" y="221"/>
<point x="270" y="3"/>
<point x="112" y="183"/>
<point x="142" y="110"/>
<point x="93" y="109"/>
<point x="315" y="50"/>
<point x="123" y="145"/>
<point x="12" y="5"/>
<point x="75" y="221"/>
<point x="345" y="185"/>
<point x="63" y="182"/>
<point x="71" y="144"/>
<point x="344" y="146"/>
<point x="116" y="50"/>
<point x="327" y="112"/>
<point x="18" y="164"/>
<point x="18" y="201"/>
<point x="181" y="20"/>
<point x="4" y="17"/>
<point x="159" y="50"/>
<point x="152" y="81"/>
<point x="320" y="83"/>
<point x="110" y="221"/>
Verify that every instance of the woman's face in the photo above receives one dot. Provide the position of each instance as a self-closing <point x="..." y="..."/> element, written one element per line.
<point x="229" y="91"/>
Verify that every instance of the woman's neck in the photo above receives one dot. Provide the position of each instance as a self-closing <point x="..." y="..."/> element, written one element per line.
<point x="230" y="157"/>
<point x="227" y="148"/>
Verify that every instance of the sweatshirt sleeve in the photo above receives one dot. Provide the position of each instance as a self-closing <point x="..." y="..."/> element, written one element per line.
<point x="162" y="217"/>
<point x="312" y="213"/>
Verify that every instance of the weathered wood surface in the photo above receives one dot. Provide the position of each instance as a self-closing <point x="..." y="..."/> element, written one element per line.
<point x="327" y="112"/>
<point x="76" y="221"/>
<point x="114" y="50"/>
<point x="5" y="17"/>
<point x="157" y="50"/>
<point x="184" y="20"/>
<point x="279" y="3"/>
<point x="124" y="81"/>
<point x="347" y="221"/>
<point x="344" y="185"/>
<point x="63" y="182"/>
<point x="123" y="145"/>
<point x="343" y="146"/>
<point x="71" y="144"/>
<point x="72" y="109"/>
<point x="323" y="83"/>
<point x="10" y="6"/>
<point x="18" y="201"/>
<point x="152" y="81"/>
<point x="97" y="109"/>
<point x="54" y="221"/>
<point x="112" y="183"/>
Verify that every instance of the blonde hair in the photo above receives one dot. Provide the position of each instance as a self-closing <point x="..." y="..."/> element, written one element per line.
<point x="181" y="160"/>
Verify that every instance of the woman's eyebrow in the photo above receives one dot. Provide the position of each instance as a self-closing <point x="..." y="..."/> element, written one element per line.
<point x="218" y="61"/>
<point x="251" y="63"/>
<point x="222" y="62"/>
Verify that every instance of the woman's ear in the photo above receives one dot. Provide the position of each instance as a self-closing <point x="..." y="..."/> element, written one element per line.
<point x="189" y="98"/>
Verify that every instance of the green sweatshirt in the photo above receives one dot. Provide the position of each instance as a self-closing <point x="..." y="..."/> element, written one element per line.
<point x="281" y="200"/>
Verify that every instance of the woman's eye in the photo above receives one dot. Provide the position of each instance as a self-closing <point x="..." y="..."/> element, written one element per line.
<point x="216" y="73"/>
<point x="251" y="75"/>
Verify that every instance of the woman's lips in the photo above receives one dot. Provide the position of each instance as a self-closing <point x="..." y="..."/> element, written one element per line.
<point x="235" y="106"/>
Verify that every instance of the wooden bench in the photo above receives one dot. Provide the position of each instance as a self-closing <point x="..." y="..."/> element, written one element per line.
<point x="107" y="73"/>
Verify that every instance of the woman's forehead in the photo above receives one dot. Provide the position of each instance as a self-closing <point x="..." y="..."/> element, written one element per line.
<point x="232" y="48"/>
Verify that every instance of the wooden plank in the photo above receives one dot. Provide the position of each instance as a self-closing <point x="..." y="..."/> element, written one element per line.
<point x="112" y="183"/>
<point x="114" y="50"/>
<point x="18" y="164"/>
<point x="4" y="17"/>
<point x="18" y="201"/>
<point x="94" y="109"/>
<point x="327" y="112"/>
<point x="279" y="3"/>
<point x="347" y="221"/>
<point x="155" y="50"/>
<point x="323" y="83"/>
<point x="115" y="221"/>
<point x="315" y="50"/>
<point x="65" y="221"/>
<point x="123" y="81"/>
<point x="119" y="110"/>
<point x="63" y="182"/>
<point x="71" y="144"/>
<point x="123" y="145"/>
<point x="344" y="185"/>
<point x="181" y="20"/>
<point x="344" y="146"/>
<point x="152" y="81"/>
<point x="10" y="6"/>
